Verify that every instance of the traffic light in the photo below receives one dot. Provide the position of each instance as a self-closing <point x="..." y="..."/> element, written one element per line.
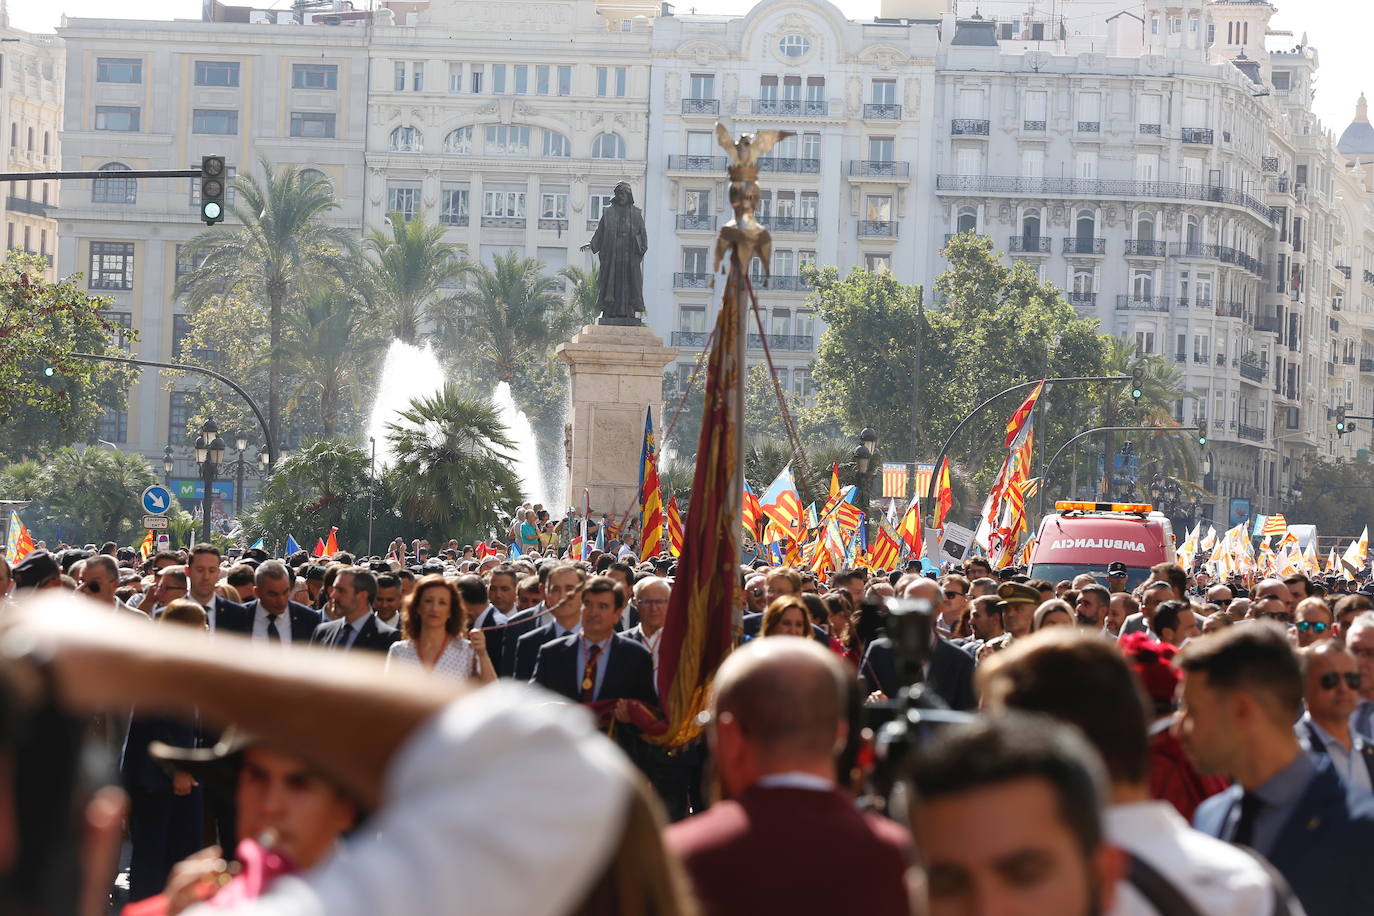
<point x="1342" y="427"/>
<point x="1202" y="439"/>
<point x="1137" y="383"/>
<point x="211" y="189"/>
<point x="49" y="371"/>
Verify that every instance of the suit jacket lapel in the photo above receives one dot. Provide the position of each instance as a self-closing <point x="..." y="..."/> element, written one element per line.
<point x="1292" y="844"/>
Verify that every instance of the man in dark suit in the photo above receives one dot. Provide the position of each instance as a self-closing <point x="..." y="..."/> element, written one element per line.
<point x="949" y="673"/>
<point x="520" y="623"/>
<point x="357" y="627"/>
<point x="273" y="616"/>
<point x="778" y="718"/>
<point x="501" y="585"/>
<point x="203" y="572"/>
<point x="1242" y="689"/>
<point x="563" y="602"/>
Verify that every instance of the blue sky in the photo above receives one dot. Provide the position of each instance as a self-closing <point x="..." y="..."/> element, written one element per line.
<point x="1339" y="29"/>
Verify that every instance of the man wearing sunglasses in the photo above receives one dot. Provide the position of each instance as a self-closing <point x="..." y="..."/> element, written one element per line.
<point x="1314" y="622"/>
<point x="1331" y="683"/>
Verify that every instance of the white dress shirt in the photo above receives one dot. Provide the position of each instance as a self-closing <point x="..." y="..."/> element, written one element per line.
<point x="1349" y="764"/>
<point x="548" y="790"/>
<point x="283" y="619"/>
<point x="1218" y="878"/>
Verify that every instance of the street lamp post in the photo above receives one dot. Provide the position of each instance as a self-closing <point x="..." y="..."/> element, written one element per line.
<point x="240" y="443"/>
<point x="168" y="465"/>
<point x="864" y="455"/>
<point x="209" y="453"/>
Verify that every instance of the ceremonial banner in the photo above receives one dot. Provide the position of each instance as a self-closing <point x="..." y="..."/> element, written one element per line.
<point x="782" y="503"/>
<point x="910" y="527"/>
<point x="752" y="512"/>
<point x="650" y="496"/>
<point x="944" y="496"/>
<point x="674" y="527"/>
<point x="18" y="542"/>
<point x="923" y="474"/>
<point x="894" y="480"/>
<point x="1274" y="525"/>
<point x="886" y="549"/>
<point x="699" y="630"/>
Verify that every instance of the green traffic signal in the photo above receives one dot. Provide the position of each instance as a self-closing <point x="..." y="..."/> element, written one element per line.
<point x="1137" y="383"/>
<point x="212" y="174"/>
<point x="211" y="211"/>
<point x="1202" y="441"/>
<point x="49" y="371"/>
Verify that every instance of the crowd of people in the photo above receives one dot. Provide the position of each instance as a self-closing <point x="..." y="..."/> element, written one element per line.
<point x="1183" y="746"/>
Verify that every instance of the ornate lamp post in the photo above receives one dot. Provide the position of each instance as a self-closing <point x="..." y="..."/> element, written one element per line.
<point x="209" y="453"/>
<point x="168" y="465"/>
<point x="864" y="455"/>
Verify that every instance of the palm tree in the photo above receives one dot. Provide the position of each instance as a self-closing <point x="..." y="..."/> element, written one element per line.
<point x="511" y="314"/>
<point x="333" y="347"/>
<point x="583" y="290"/>
<point x="413" y="265"/>
<point x="282" y="244"/>
<point x="452" y="466"/>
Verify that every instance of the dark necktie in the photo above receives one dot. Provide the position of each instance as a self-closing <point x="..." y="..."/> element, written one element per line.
<point x="1250" y="806"/>
<point x="346" y="637"/>
<point x="589" y="674"/>
<point x="273" y="634"/>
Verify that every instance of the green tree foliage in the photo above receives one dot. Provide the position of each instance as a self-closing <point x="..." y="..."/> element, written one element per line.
<point x="411" y="268"/>
<point x="453" y="465"/>
<point x="282" y="245"/>
<point x="1337" y="497"/>
<point x="1169" y="454"/>
<point x="83" y="495"/>
<point x="996" y="325"/>
<point x="582" y="290"/>
<point x="325" y="485"/>
<point x="41" y="325"/>
<point x="334" y="350"/>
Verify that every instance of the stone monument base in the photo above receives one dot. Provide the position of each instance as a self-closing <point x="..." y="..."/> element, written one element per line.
<point x="617" y="373"/>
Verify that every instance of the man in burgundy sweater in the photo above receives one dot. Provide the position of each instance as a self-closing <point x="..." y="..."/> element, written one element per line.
<point x="777" y="723"/>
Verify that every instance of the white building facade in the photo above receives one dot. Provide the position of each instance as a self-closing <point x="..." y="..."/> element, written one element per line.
<point x="31" y="95"/>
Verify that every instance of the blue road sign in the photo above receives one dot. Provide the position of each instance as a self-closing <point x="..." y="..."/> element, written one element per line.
<point x="157" y="500"/>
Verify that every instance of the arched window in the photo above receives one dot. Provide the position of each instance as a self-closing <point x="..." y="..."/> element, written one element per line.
<point x="608" y="146"/>
<point x="1086" y="226"/>
<point x="47" y="143"/>
<point x="968" y="220"/>
<point x="459" y="142"/>
<point x="1030" y="225"/>
<point x="405" y="140"/>
<point x="1193" y="233"/>
<point x="310" y="176"/>
<point x="1145" y="227"/>
<point x="118" y="189"/>
<point x="556" y="145"/>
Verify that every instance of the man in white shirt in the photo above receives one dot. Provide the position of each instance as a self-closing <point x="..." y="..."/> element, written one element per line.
<point x="1051" y="672"/>
<point x="203" y="571"/>
<point x="1331" y="681"/>
<point x="651" y="596"/>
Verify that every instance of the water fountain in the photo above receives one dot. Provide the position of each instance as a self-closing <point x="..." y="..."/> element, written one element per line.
<point x="411" y="372"/>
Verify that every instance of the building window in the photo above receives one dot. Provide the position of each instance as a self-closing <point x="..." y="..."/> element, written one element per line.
<point x="455" y="77"/>
<point x="313" y="124"/>
<point x="498" y="79"/>
<point x="459" y="142"/>
<point x="611" y="81"/>
<point x="112" y="265"/>
<point x="113" y="426"/>
<point x="703" y="86"/>
<point x="694" y="261"/>
<point x="453" y="206"/>
<point x="116" y="189"/>
<point x="400" y="77"/>
<point x="118" y="70"/>
<point x="877" y="263"/>
<point x="405" y="140"/>
<point x="417" y="76"/>
<point x="314" y="76"/>
<point x="556" y="145"/>
<point x="608" y="146"/>
<point x="116" y="117"/>
<point x="122" y="322"/>
<point x="522" y="79"/>
<point x="794" y="46"/>
<point x="598" y="204"/>
<point x="884" y="92"/>
<point x="504" y="204"/>
<point x="541" y="79"/>
<point x="691" y="319"/>
<point x="507" y="140"/>
<point x="214" y="121"/>
<point x="217" y="73"/>
<point x="185" y="263"/>
<point x="553" y="205"/>
<point x="404" y="200"/>
<point x="476" y="80"/>
<point x="565" y="80"/>
<point x="178" y="416"/>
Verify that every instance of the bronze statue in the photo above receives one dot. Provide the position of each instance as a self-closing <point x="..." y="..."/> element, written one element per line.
<point x="620" y="242"/>
<point x="744" y="234"/>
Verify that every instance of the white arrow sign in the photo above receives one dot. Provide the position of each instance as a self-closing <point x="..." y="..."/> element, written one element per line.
<point x="156" y="501"/>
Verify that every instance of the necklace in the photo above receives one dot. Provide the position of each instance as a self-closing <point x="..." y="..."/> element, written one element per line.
<point x="426" y="663"/>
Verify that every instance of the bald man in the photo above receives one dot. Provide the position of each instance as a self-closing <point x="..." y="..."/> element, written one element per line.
<point x="778" y="721"/>
<point x="948" y="673"/>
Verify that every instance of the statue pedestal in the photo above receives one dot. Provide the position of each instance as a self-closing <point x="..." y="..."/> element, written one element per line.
<point x="617" y="372"/>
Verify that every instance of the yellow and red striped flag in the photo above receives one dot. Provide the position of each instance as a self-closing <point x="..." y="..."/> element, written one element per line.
<point x="944" y="495"/>
<point x="910" y="528"/>
<point x="331" y="543"/>
<point x="782" y="503"/>
<point x="146" y="547"/>
<point x="885" y="550"/>
<point x="894" y="480"/>
<point x="674" y="527"/>
<point x="834" y="480"/>
<point x="752" y="512"/>
<point x="1018" y="420"/>
<point x="19" y="542"/>
<point x="650" y="495"/>
<point x="1274" y="524"/>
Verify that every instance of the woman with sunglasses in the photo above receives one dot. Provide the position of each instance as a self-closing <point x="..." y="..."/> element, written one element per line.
<point x="1331" y="685"/>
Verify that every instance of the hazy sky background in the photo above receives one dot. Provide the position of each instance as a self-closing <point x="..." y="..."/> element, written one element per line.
<point x="1339" y="29"/>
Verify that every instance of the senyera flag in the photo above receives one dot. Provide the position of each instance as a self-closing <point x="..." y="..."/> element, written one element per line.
<point x="650" y="495"/>
<point x="699" y="630"/>
<point x="782" y="503"/>
<point x="19" y="542"/>
<point x="674" y="527"/>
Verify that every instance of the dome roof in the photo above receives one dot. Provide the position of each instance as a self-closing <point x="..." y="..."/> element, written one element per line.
<point x="1358" y="139"/>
